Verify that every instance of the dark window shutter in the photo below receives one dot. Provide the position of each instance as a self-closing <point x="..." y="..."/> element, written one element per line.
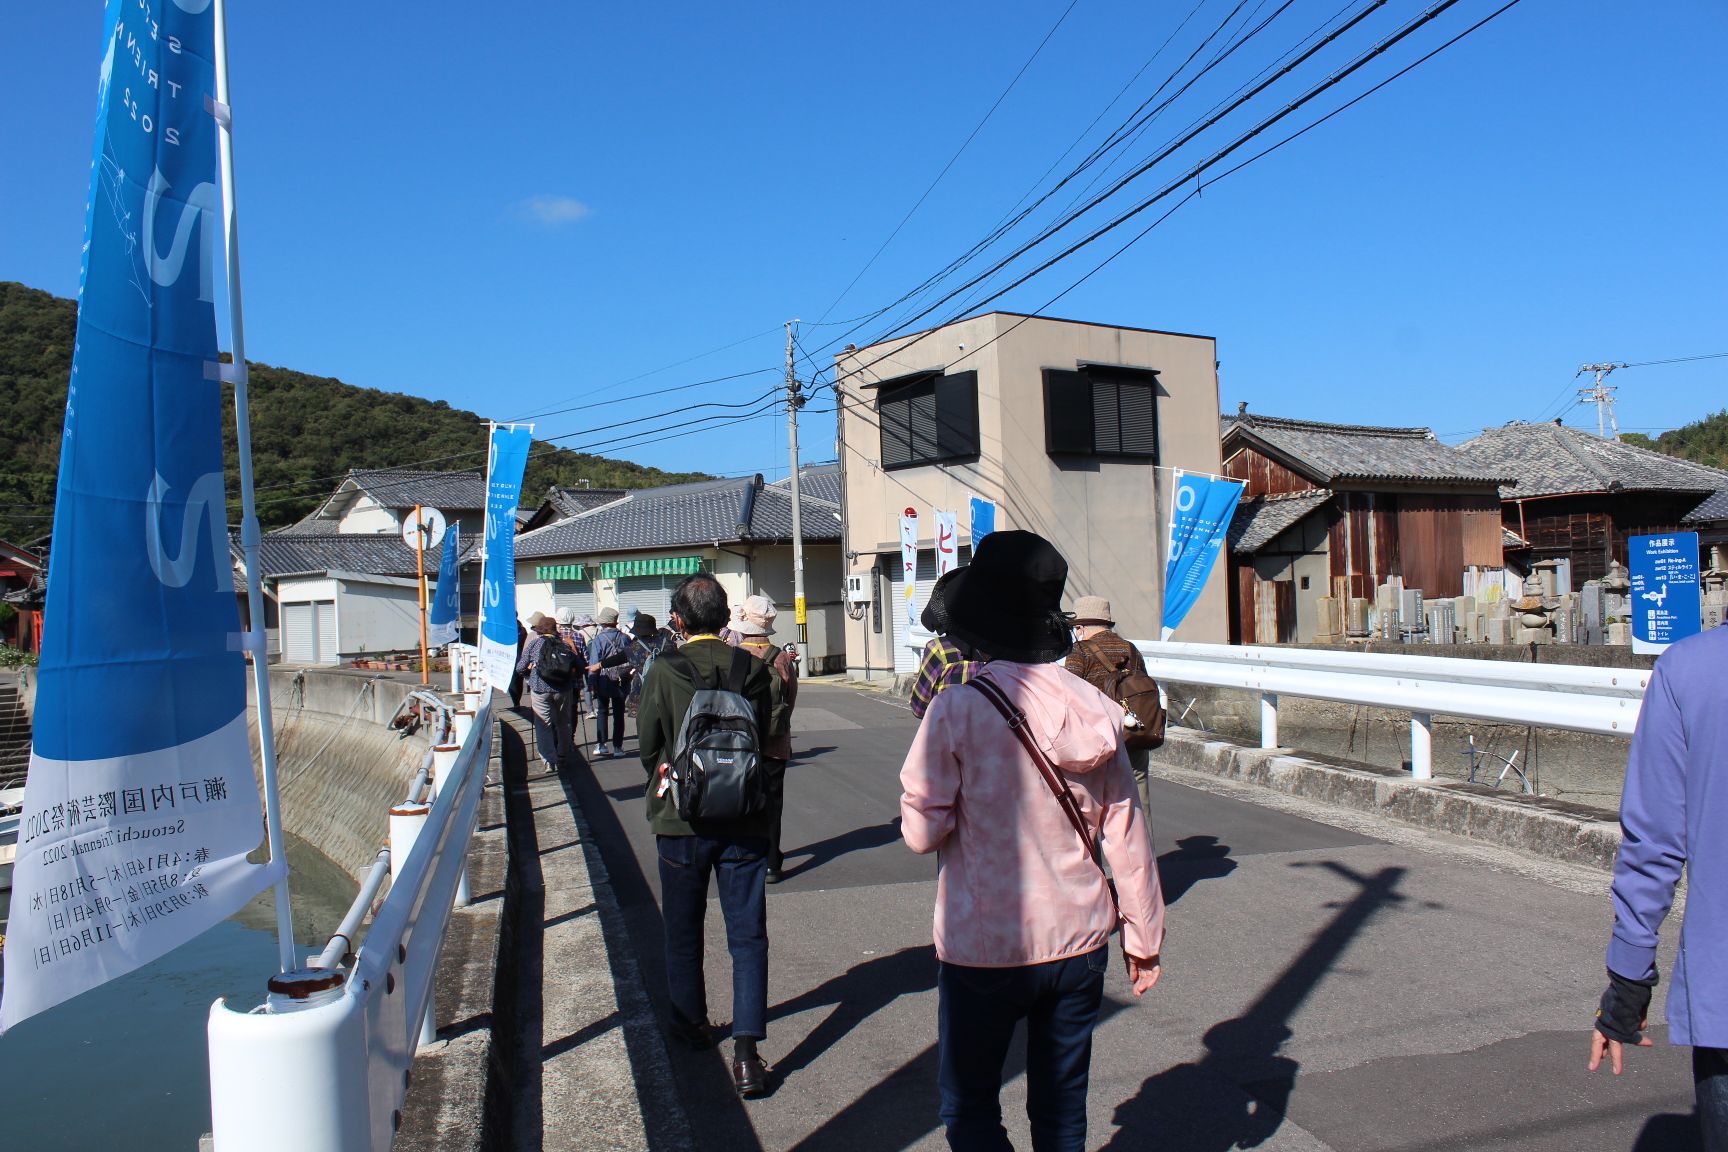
<point x="1138" y="406"/>
<point x="1106" y="418"/>
<point x="1067" y="413"/>
<point x="922" y="413"/>
<point x="956" y="411"/>
<point x="896" y="429"/>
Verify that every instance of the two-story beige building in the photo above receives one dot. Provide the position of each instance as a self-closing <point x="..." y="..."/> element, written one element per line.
<point x="1072" y="429"/>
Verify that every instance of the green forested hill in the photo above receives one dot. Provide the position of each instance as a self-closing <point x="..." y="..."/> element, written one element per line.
<point x="1704" y="441"/>
<point x="305" y="429"/>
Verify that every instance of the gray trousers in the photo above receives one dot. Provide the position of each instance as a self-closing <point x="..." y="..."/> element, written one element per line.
<point x="551" y="724"/>
<point x="1137" y="761"/>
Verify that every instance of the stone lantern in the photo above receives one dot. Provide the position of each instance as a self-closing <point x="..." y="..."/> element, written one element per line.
<point x="1532" y="612"/>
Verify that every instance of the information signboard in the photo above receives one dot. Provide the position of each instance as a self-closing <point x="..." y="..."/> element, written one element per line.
<point x="1666" y="604"/>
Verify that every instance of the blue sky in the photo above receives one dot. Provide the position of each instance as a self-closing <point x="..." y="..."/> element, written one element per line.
<point x="555" y="204"/>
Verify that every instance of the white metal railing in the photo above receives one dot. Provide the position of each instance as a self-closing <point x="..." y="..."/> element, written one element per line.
<point x="324" y="1063"/>
<point x="1568" y="696"/>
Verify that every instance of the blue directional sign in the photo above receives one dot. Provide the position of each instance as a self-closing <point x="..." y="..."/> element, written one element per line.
<point x="1666" y="604"/>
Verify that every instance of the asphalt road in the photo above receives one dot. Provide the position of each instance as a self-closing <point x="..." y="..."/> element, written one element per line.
<point x="1330" y="983"/>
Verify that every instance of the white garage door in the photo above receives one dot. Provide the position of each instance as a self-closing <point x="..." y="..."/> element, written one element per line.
<point x="299" y="640"/>
<point x="577" y="595"/>
<point x="905" y="659"/>
<point x="309" y="632"/>
<point x="651" y="594"/>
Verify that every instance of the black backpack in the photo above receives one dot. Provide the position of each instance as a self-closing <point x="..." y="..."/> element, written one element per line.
<point x="717" y="771"/>
<point x="555" y="662"/>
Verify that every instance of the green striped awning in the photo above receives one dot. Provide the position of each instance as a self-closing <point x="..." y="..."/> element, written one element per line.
<point x="561" y="572"/>
<point x="663" y="566"/>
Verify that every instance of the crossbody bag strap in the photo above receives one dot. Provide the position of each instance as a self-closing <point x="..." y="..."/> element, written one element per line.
<point x="1052" y="778"/>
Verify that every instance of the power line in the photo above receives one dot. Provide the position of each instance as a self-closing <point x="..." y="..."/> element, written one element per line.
<point x="1194" y="173"/>
<point x="1676" y="360"/>
<point x="644" y="395"/>
<point x="662" y="368"/>
<point x="979" y="127"/>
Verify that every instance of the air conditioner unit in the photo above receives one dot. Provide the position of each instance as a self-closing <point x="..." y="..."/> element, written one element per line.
<point x="858" y="588"/>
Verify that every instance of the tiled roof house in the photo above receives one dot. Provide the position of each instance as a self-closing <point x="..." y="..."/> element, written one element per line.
<point x="1578" y="496"/>
<point x="631" y="553"/>
<point x="1333" y="510"/>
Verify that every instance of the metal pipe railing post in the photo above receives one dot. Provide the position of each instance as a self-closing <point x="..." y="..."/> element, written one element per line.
<point x="1421" y="746"/>
<point x="1268" y="720"/>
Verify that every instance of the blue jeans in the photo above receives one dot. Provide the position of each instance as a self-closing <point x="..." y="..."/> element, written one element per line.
<point x="741" y="867"/>
<point x="976" y="1017"/>
<point x="1710" y="1074"/>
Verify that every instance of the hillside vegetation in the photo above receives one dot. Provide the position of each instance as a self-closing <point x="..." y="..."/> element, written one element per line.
<point x="1703" y="441"/>
<point x="305" y="430"/>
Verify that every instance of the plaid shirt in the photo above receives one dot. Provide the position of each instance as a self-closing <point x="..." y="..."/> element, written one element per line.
<point x="940" y="667"/>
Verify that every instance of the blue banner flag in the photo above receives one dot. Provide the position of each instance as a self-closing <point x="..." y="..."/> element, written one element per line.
<point x="1200" y="511"/>
<point x="141" y="803"/>
<point x="504" y="465"/>
<point x="983" y="519"/>
<point x="441" y="628"/>
<point x="1667" y="605"/>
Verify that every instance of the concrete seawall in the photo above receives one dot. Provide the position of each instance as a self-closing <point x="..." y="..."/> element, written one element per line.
<point x="341" y="766"/>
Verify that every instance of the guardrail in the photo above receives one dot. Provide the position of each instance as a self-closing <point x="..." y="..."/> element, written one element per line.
<point x="1580" y="699"/>
<point x="325" y="1061"/>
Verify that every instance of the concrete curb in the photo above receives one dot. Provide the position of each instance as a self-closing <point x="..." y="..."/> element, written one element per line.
<point x="1553" y="829"/>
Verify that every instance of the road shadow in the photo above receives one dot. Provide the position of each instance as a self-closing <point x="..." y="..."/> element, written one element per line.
<point x="1670" y="1132"/>
<point x="1195" y="858"/>
<point x="633" y="926"/>
<point x="856" y="995"/>
<point x="856" y="840"/>
<point x="1236" y="1095"/>
<point x="804" y="754"/>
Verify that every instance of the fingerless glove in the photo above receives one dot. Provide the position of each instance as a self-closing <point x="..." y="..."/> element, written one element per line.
<point x="1624" y="1009"/>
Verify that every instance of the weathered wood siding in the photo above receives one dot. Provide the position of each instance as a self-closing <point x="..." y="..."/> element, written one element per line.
<point x="1263" y="475"/>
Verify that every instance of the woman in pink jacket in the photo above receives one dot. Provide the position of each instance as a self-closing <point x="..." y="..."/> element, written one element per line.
<point x="1023" y="909"/>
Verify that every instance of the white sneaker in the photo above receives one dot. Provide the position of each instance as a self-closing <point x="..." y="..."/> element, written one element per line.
<point x="601" y="752"/>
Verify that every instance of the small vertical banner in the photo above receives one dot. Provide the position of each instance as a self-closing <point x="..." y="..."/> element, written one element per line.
<point x="947" y="542"/>
<point x="1200" y="512"/>
<point x="983" y="519"/>
<point x="442" y="628"/>
<point x="140" y="806"/>
<point x="504" y="465"/>
<point x="1667" y="606"/>
<point x="909" y="562"/>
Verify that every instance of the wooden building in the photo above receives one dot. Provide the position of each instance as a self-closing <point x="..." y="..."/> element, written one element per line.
<point x="1579" y="496"/>
<point x="22" y="574"/>
<point x="1334" y="510"/>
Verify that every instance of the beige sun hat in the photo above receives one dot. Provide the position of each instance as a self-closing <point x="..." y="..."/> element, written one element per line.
<point x="1093" y="610"/>
<point x="755" y="617"/>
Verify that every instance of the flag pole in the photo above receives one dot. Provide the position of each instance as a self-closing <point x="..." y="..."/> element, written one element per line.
<point x="249" y="533"/>
<point x="420" y="570"/>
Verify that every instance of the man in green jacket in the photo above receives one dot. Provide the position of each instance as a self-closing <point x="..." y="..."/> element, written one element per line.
<point x="735" y="851"/>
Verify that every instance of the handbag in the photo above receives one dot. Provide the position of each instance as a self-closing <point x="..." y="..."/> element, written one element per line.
<point x="1052" y="778"/>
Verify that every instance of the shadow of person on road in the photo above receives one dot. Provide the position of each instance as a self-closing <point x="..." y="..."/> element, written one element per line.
<point x="857" y="840"/>
<point x="1194" y="859"/>
<point x="856" y="994"/>
<point x="1236" y="1095"/>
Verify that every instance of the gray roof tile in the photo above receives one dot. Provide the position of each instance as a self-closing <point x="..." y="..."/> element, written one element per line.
<point x="1712" y="507"/>
<point x="821" y="481"/>
<point x="701" y="512"/>
<point x="1331" y="453"/>
<point x="1262" y="519"/>
<point x="1553" y="460"/>
<point x="381" y="555"/>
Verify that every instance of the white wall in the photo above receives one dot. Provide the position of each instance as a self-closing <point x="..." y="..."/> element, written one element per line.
<point x="376" y="618"/>
<point x="365" y="518"/>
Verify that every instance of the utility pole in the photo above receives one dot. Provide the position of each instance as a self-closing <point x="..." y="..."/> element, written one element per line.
<point x="795" y="401"/>
<point x="1601" y="395"/>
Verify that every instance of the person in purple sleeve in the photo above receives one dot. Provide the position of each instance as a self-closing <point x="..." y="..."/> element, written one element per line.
<point x="1674" y="815"/>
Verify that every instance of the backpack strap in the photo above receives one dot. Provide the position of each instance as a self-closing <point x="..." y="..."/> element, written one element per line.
<point x="737" y="672"/>
<point x="682" y="665"/>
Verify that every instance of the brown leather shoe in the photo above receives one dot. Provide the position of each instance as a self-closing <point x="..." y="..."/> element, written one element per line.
<point x="750" y="1076"/>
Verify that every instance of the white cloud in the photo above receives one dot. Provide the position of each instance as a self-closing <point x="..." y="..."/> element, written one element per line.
<point x="552" y="211"/>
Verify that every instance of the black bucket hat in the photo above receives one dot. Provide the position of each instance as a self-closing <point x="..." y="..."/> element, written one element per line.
<point x="935" y="616"/>
<point x="1008" y="602"/>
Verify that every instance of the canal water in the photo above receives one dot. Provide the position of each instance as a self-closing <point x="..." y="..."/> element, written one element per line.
<point x="125" y="1065"/>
